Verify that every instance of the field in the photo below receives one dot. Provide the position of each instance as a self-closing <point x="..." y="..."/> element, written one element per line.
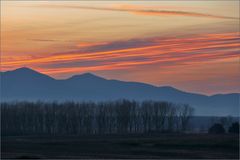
<point x="122" y="146"/>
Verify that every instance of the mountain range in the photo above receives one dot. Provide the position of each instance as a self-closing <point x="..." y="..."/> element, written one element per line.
<point x="30" y="85"/>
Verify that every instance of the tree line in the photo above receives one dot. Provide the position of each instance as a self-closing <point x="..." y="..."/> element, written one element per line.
<point x="109" y="117"/>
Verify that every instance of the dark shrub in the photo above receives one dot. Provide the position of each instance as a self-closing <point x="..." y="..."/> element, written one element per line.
<point x="216" y="129"/>
<point x="234" y="128"/>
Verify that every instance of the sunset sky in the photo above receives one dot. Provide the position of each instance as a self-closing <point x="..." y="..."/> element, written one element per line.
<point x="192" y="45"/>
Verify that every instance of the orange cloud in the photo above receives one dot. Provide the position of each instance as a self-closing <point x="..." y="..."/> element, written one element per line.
<point x="141" y="10"/>
<point x="166" y="52"/>
<point x="179" y="13"/>
<point x="90" y="44"/>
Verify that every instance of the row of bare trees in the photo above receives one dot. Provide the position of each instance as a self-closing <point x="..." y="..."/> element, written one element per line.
<point x="111" y="117"/>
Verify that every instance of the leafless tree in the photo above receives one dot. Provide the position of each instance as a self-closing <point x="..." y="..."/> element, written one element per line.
<point x="75" y="118"/>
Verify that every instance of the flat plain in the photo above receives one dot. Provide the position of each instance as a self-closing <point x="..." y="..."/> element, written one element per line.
<point x="154" y="146"/>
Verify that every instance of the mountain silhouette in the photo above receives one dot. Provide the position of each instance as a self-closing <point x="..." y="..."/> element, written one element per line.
<point x="27" y="84"/>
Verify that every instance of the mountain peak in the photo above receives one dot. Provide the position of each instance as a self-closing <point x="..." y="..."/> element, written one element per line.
<point x="24" y="69"/>
<point x="89" y="74"/>
<point x="25" y="72"/>
<point x="86" y="75"/>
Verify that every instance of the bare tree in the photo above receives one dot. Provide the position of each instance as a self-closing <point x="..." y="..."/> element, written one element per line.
<point x="71" y="118"/>
<point x="185" y="113"/>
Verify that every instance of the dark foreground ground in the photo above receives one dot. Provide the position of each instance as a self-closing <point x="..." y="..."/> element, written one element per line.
<point x="122" y="146"/>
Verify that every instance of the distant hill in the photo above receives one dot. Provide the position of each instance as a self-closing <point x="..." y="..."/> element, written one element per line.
<point x="27" y="84"/>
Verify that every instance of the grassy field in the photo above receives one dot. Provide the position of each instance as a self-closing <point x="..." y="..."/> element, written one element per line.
<point x="122" y="146"/>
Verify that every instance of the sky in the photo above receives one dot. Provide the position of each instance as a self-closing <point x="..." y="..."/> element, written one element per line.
<point x="190" y="45"/>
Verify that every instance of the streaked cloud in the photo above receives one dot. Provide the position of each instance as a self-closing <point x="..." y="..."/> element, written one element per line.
<point x="90" y="44"/>
<point x="132" y="53"/>
<point x="43" y="40"/>
<point x="141" y="10"/>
